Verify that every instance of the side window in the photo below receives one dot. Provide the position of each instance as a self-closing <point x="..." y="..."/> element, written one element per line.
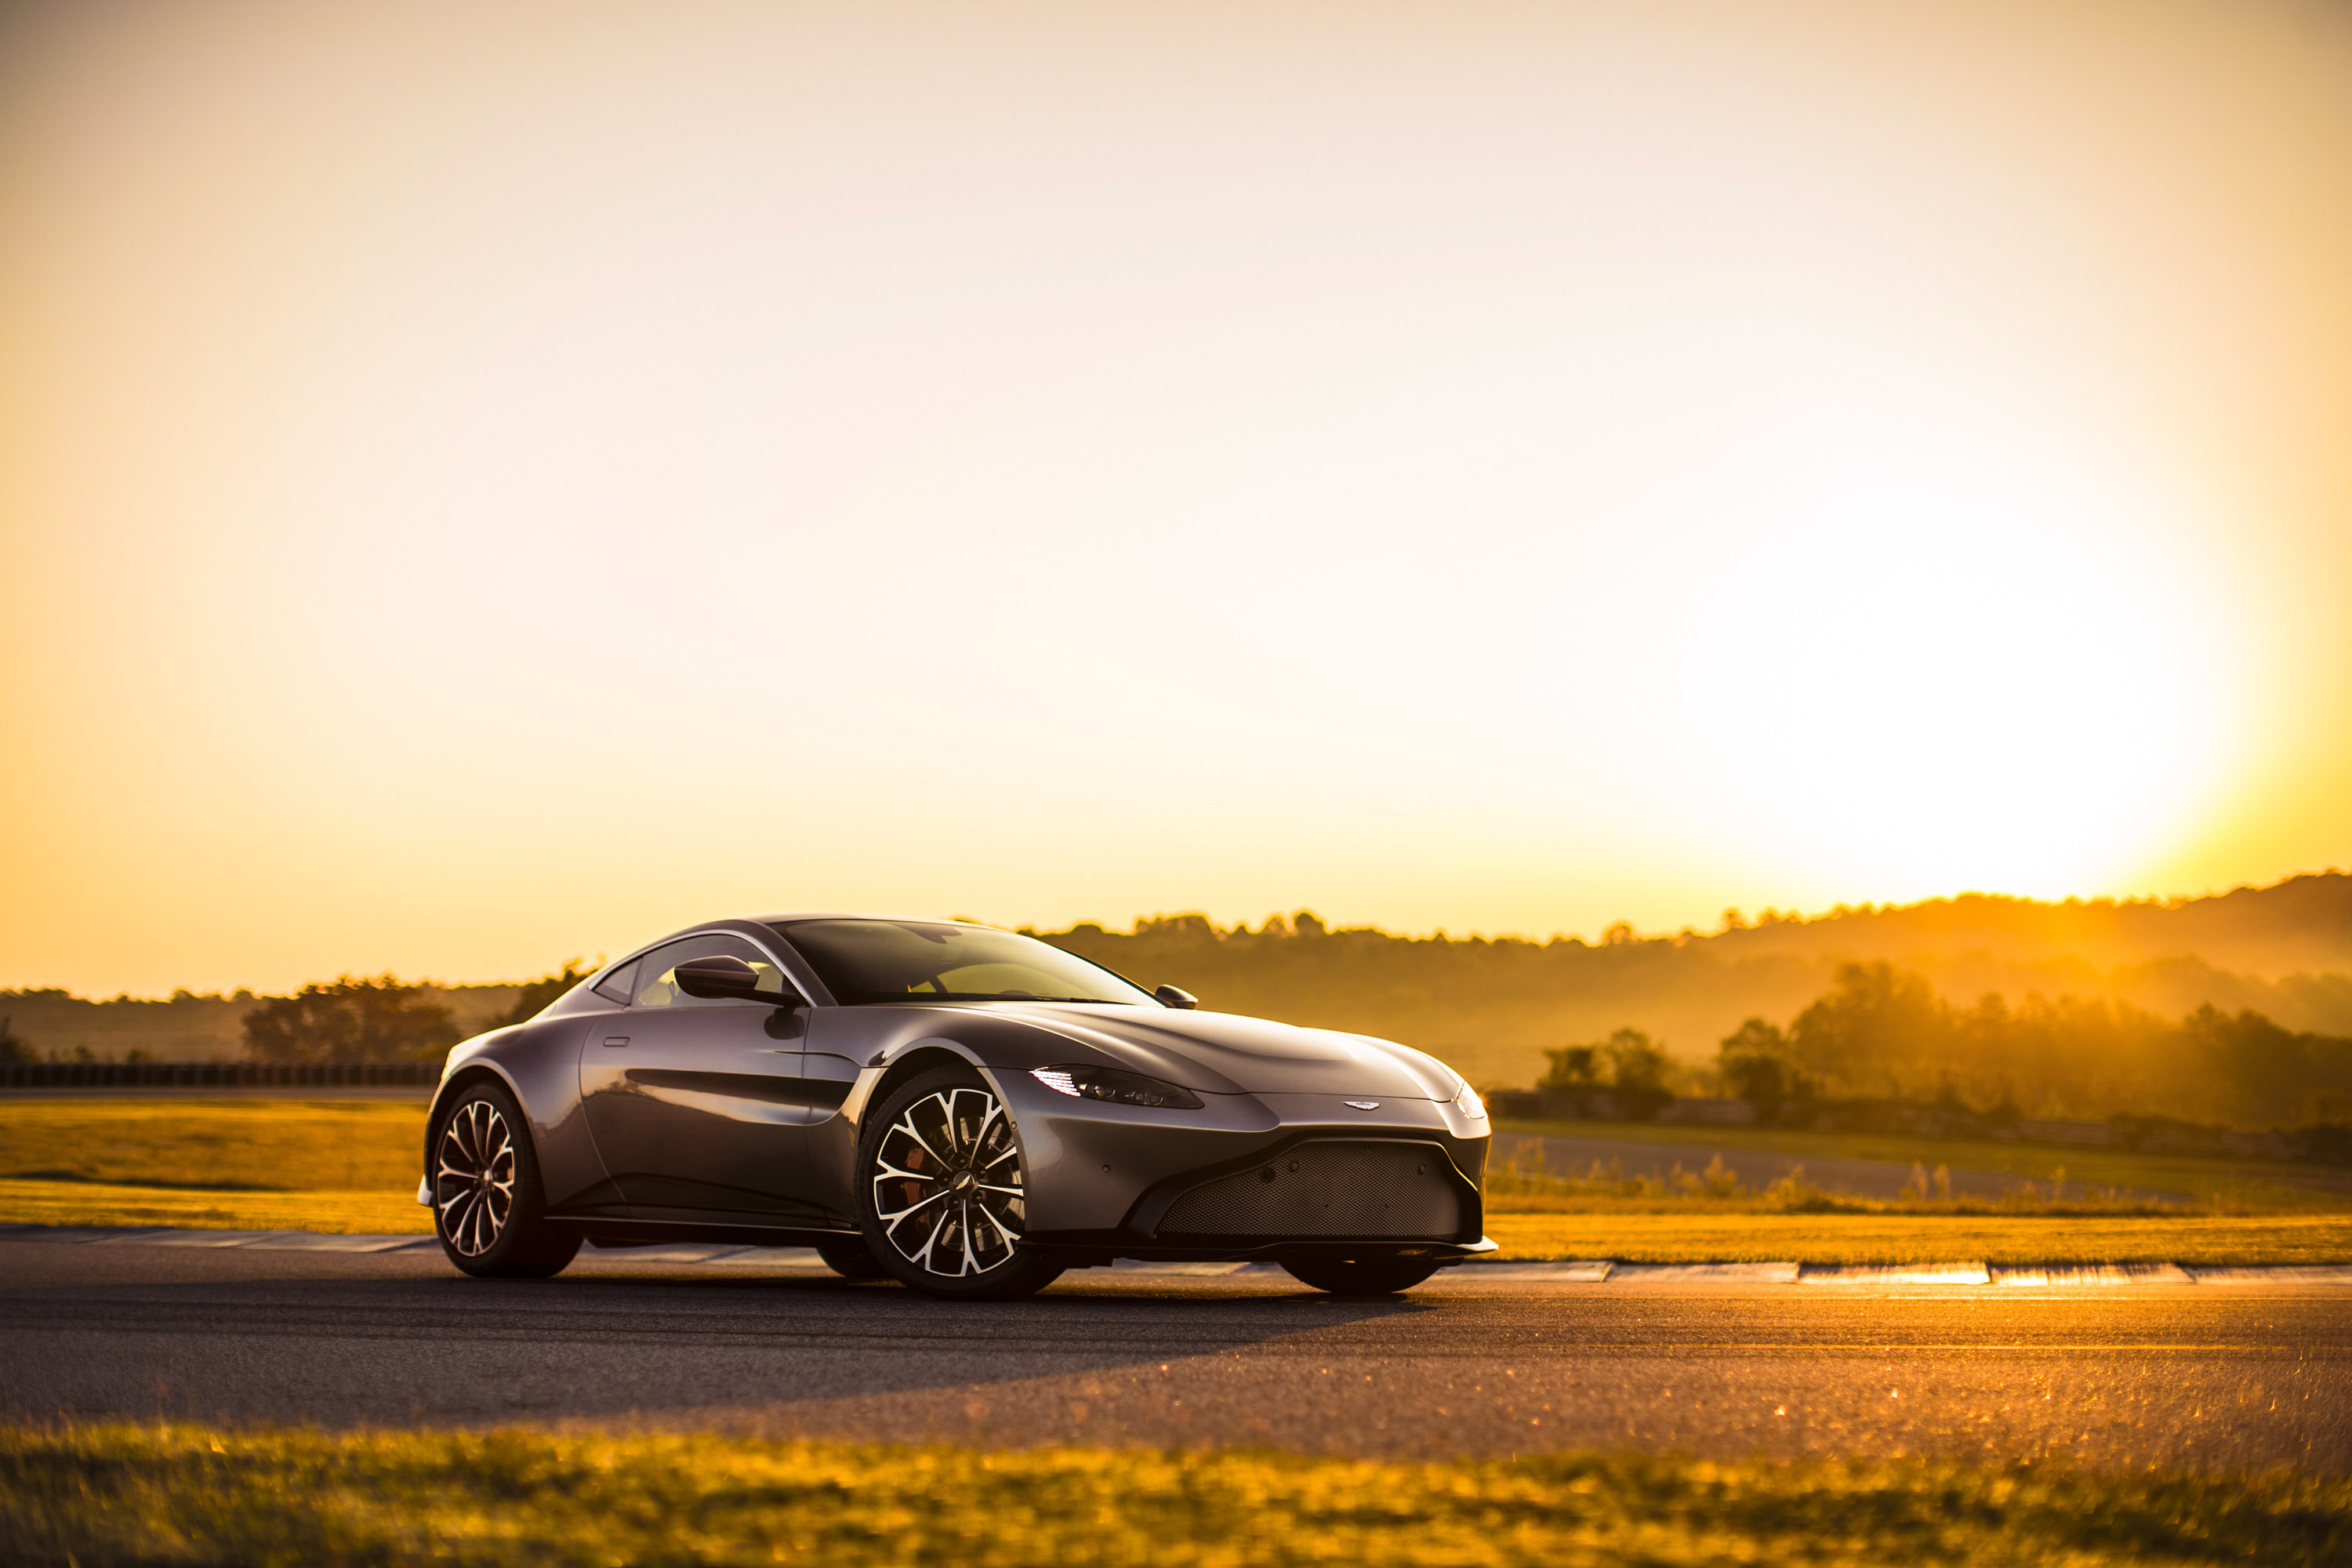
<point x="656" y="978"/>
<point x="617" y="985"/>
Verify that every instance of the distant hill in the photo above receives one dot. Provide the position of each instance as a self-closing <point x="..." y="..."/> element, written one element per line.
<point x="2300" y="926"/>
<point x="1491" y="1005"/>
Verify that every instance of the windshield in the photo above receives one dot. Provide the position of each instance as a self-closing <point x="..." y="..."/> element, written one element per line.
<point x="867" y="962"/>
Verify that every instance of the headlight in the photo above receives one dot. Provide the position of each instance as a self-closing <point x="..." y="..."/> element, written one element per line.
<point x="1117" y="1086"/>
<point x="1469" y="1104"/>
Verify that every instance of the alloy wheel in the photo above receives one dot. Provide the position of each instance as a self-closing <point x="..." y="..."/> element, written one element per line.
<point x="946" y="1179"/>
<point x="474" y="1178"/>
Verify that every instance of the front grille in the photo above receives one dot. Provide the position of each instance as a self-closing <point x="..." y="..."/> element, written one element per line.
<point x="1385" y="1190"/>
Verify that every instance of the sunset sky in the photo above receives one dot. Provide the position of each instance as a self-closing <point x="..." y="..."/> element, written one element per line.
<point x="483" y="484"/>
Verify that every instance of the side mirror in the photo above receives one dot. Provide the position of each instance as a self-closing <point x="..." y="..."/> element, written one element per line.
<point x="712" y="978"/>
<point x="1184" y="1001"/>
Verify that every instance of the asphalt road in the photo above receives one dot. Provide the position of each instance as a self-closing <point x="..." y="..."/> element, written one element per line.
<point x="2204" y="1375"/>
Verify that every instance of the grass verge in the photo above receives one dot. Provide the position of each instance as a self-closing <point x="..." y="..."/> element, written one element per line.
<point x="98" y="1202"/>
<point x="220" y="1164"/>
<point x="1750" y="1238"/>
<point x="2236" y="1185"/>
<point x="183" y="1495"/>
<point x="282" y="1145"/>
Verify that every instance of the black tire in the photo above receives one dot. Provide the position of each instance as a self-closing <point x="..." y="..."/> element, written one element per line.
<point x="957" y="1209"/>
<point x="1362" y="1275"/>
<point x="851" y="1260"/>
<point x="488" y="1206"/>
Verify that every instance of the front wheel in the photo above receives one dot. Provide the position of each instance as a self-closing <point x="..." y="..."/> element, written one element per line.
<point x="488" y="1206"/>
<point x="942" y="1196"/>
<point x="1361" y="1275"/>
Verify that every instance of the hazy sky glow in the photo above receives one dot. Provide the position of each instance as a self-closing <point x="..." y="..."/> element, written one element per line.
<point x="481" y="484"/>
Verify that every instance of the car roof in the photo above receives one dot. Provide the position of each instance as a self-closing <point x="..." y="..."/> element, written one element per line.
<point x="857" y="915"/>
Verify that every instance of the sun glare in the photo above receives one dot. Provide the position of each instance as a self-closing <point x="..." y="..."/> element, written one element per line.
<point x="1946" y="683"/>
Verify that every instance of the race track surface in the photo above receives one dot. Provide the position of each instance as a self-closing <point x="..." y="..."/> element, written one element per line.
<point x="2208" y="1376"/>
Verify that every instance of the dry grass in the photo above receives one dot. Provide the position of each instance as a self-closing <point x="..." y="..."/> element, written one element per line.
<point x="267" y="1145"/>
<point x="371" y="1212"/>
<point x="2231" y="1185"/>
<point x="234" y="1164"/>
<point x="186" y="1494"/>
<point x="1511" y="1188"/>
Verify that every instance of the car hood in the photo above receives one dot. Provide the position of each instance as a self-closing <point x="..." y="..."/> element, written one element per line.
<point x="1224" y="1053"/>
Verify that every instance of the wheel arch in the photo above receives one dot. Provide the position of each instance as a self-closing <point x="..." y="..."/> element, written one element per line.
<point x="925" y="1056"/>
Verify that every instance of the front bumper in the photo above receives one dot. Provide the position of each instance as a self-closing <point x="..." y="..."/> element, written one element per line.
<point x="1103" y="1178"/>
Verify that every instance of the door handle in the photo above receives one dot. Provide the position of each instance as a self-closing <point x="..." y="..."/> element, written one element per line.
<point x="616" y="1039"/>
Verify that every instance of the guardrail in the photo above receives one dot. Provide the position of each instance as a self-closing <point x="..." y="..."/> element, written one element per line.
<point x="219" y="1075"/>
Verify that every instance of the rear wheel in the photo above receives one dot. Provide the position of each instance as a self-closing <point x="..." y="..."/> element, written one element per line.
<point x="1362" y="1275"/>
<point x="942" y="1196"/>
<point x="488" y="1207"/>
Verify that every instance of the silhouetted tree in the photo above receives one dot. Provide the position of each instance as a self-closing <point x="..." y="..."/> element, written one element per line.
<point x="1754" y="1065"/>
<point x="1638" y="1069"/>
<point x="348" y="1020"/>
<point x="1573" y="1067"/>
<point x="2277" y="1075"/>
<point x="1875" y="1023"/>
<point x="1178" y="928"/>
<point x="12" y="1047"/>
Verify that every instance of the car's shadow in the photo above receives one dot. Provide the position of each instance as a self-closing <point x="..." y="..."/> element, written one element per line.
<point x="346" y="1350"/>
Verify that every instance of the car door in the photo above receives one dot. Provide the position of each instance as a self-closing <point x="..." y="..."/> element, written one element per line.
<point x="696" y="1104"/>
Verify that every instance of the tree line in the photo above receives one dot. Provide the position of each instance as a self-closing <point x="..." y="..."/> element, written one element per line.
<point x="1882" y="1031"/>
<point x="378" y="1018"/>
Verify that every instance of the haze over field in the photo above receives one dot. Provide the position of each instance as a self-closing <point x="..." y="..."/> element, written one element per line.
<point x="480" y="486"/>
<point x="2101" y="985"/>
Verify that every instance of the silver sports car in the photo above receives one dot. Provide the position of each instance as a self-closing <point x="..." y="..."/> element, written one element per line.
<point x="967" y="1109"/>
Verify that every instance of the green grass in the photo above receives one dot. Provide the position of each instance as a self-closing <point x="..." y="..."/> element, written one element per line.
<point x="100" y="1496"/>
<point x="2237" y="1185"/>
<point x="1741" y="1236"/>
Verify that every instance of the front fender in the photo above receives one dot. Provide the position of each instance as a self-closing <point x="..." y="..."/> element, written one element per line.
<point x="539" y="1063"/>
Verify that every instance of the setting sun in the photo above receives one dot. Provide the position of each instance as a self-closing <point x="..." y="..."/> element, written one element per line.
<point x="1957" y="678"/>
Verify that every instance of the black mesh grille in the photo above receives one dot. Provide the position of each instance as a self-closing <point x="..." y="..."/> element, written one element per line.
<point x="1331" y="1189"/>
